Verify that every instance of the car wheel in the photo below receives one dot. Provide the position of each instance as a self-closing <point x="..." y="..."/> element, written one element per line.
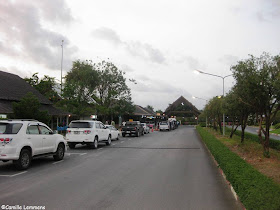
<point x="137" y="134"/>
<point x="117" y="137"/>
<point x="123" y="134"/>
<point x="59" y="154"/>
<point x="108" y="142"/>
<point x="71" y="145"/>
<point x="4" y="161"/>
<point x="94" y="145"/>
<point x="24" y="160"/>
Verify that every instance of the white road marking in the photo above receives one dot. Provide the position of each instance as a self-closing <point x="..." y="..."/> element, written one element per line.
<point x="58" y="162"/>
<point x="99" y="148"/>
<point x="75" y="154"/>
<point x="113" y="144"/>
<point x="14" y="174"/>
<point x="122" y="142"/>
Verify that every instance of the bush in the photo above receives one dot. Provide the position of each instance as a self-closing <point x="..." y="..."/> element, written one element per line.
<point x="202" y="124"/>
<point x="255" y="190"/>
<point x="277" y="126"/>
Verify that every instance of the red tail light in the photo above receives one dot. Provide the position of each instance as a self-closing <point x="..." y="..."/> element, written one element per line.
<point x="87" y="132"/>
<point x="135" y="128"/>
<point x="6" y="140"/>
<point x="68" y="131"/>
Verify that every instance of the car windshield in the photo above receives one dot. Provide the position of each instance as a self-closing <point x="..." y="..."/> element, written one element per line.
<point x="10" y="128"/>
<point x="163" y="123"/>
<point x="80" y="125"/>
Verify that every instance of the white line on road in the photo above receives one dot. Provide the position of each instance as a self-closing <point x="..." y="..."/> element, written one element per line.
<point x="122" y="142"/>
<point x="75" y="154"/>
<point x="58" y="162"/>
<point x="14" y="174"/>
<point x="113" y="144"/>
<point x="19" y="173"/>
<point x="99" y="148"/>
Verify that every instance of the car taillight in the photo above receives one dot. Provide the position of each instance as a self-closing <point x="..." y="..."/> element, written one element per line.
<point x="135" y="128"/>
<point x="87" y="132"/>
<point x="68" y="131"/>
<point x="6" y="140"/>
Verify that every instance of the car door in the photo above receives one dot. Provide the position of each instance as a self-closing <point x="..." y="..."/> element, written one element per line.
<point x="104" y="131"/>
<point x="35" y="139"/>
<point x="48" y="139"/>
<point x="98" y="131"/>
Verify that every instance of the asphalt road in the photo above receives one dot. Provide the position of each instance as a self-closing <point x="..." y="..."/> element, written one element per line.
<point x="161" y="170"/>
<point x="254" y="130"/>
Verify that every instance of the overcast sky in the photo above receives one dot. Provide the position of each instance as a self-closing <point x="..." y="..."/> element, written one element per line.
<point x="159" y="43"/>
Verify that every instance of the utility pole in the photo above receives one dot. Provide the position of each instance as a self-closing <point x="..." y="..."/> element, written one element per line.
<point x="61" y="66"/>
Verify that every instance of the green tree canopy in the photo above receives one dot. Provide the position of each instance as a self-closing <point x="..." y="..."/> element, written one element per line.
<point x="29" y="108"/>
<point x="258" y="82"/>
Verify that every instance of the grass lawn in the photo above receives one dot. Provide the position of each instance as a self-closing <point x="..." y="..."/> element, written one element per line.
<point x="252" y="153"/>
<point x="276" y="131"/>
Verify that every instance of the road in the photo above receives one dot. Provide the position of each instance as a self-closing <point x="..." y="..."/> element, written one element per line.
<point x="161" y="170"/>
<point x="254" y="130"/>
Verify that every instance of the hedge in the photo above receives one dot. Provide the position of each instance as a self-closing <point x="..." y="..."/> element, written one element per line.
<point x="274" y="144"/>
<point x="255" y="190"/>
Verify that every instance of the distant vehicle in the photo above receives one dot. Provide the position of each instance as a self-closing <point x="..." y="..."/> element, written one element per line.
<point x="23" y="140"/>
<point x="133" y="127"/>
<point x="146" y="128"/>
<point x="87" y="132"/>
<point x="114" y="132"/>
<point x="164" y="125"/>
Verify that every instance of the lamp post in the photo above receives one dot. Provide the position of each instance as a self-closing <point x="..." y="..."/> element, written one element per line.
<point x="61" y="67"/>
<point x="194" y="97"/>
<point x="214" y="75"/>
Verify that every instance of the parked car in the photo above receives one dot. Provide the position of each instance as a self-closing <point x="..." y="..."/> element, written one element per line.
<point x="114" y="132"/>
<point x="146" y="128"/>
<point x="87" y="132"/>
<point x="132" y="127"/>
<point x="23" y="140"/>
<point x="164" y="125"/>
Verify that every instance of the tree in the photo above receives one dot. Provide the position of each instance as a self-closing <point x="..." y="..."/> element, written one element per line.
<point x="29" y="108"/>
<point x="46" y="86"/>
<point x="237" y="111"/>
<point x="80" y="89"/>
<point x="258" y="79"/>
<point x="112" y="91"/>
<point x="214" y="111"/>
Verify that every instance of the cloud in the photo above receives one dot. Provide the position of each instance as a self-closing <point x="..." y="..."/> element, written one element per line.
<point x="228" y="59"/>
<point x="135" y="48"/>
<point x="23" y="35"/>
<point x="192" y="62"/>
<point x="16" y="71"/>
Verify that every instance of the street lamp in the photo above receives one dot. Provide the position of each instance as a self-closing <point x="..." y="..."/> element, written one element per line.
<point x="61" y="67"/>
<point x="214" y="75"/>
<point x="194" y="97"/>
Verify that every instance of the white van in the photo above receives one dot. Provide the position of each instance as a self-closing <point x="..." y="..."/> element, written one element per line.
<point x="164" y="125"/>
<point x="87" y="132"/>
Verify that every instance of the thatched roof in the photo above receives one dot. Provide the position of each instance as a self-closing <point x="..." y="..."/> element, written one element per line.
<point x="139" y="111"/>
<point x="179" y="102"/>
<point x="13" y="89"/>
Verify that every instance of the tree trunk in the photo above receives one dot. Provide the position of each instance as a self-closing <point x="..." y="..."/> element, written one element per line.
<point x="266" y="141"/>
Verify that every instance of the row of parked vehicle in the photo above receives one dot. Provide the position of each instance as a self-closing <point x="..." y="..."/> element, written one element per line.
<point x="168" y="125"/>
<point x="135" y="128"/>
<point x="23" y="140"/>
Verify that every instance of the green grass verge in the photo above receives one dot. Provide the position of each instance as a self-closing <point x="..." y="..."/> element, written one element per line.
<point x="274" y="144"/>
<point x="255" y="190"/>
<point x="276" y="131"/>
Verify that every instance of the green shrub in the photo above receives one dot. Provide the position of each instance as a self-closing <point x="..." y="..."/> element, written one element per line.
<point x="202" y="124"/>
<point x="277" y="126"/>
<point x="255" y="190"/>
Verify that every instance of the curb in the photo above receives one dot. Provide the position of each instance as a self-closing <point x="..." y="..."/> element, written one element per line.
<point x="223" y="175"/>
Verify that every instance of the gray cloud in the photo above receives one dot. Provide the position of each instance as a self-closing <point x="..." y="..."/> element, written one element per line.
<point x="25" y="37"/>
<point x="192" y="62"/>
<point x="138" y="49"/>
<point x="228" y="59"/>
